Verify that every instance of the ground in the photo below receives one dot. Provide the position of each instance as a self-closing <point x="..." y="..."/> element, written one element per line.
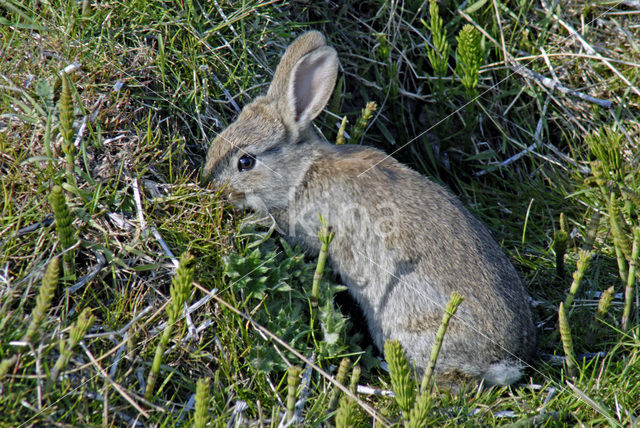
<point x="540" y="142"/>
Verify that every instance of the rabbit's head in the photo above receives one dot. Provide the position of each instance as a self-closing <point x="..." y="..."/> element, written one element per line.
<point x="262" y="156"/>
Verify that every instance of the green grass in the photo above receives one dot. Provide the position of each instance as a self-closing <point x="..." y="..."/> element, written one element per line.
<point x="157" y="80"/>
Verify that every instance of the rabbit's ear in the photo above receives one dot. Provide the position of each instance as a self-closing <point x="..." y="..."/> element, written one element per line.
<point x="301" y="46"/>
<point x="310" y="85"/>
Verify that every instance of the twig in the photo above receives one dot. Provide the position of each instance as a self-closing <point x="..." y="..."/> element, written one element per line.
<point x="134" y="422"/>
<point x="531" y="150"/>
<point x="558" y="360"/>
<point x="71" y="68"/>
<point x="81" y="130"/>
<point x="271" y="385"/>
<point x="368" y="390"/>
<point x="139" y="210"/>
<point x="537" y="420"/>
<point x="113" y="140"/>
<point x="539" y="125"/>
<point x="598" y="294"/>
<point x="551" y="84"/>
<point x="525" y="72"/>
<point x="187" y="408"/>
<point x="590" y="50"/>
<point x="190" y="309"/>
<point x="549" y="66"/>
<point x="304" y="392"/>
<point x="202" y="327"/>
<point x="41" y="376"/>
<point x="123" y="330"/>
<point x="226" y="92"/>
<point x="551" y="392"/>
<point x="501" y="414"/>
<point x="503" y="45"/>
<point x="568" y="55"/>
<point x="191" y="328"/>
<point x="118" y="357"/>
<point x="165" y="247"/>
<point x="288" y="423"/>
<point x="119" y="221"/>
<point x="97" y="106"/>
<point x="102" y="263"/>
<point x="154" y="231"/>
<point x="631" y="3"/>
<point x="537" y="143"/>
<point x="115" y="385"/>
<point x="46" y="222"/>
<point x="237" y="417"/>
<point x="142" y="381"/>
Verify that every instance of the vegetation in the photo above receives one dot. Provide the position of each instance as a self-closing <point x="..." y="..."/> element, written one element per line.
<point x="527" y="110"/>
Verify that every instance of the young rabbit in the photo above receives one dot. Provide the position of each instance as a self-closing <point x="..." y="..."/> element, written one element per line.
<point x="402" y="243"/>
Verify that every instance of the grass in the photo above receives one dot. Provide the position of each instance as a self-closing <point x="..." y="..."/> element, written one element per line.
<point x="155" y="81"/>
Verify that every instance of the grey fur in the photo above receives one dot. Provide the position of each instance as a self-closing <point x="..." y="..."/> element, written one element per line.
<point x="403" y="244"/>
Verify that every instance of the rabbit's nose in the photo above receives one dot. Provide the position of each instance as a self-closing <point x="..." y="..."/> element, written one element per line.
<point x="233" y="196"/>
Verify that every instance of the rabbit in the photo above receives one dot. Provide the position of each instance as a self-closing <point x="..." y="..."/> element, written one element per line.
<point x="402" y="243"/>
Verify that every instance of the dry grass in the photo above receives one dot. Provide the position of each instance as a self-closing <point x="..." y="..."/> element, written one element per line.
<point x="157" y="81"/>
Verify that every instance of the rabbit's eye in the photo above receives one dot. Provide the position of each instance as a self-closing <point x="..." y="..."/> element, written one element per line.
<point x="246" y="162"/>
